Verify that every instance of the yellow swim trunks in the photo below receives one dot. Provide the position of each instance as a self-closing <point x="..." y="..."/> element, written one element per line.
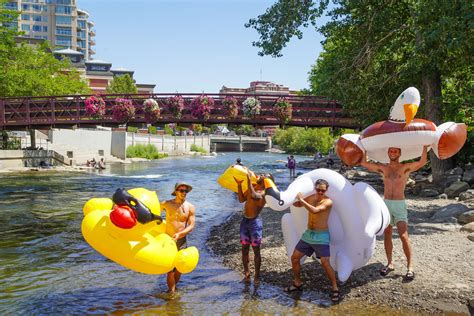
<point x="398" y="211"/>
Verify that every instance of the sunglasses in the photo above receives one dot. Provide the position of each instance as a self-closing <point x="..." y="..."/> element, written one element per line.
<point x="320" y="190"/>
<point x="182" y="191"/>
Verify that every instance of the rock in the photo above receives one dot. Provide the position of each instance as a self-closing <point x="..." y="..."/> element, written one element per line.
<point x="468" y="228"/>
<point x="469" y="194"/>
<point x="443" y="196"/>
<point x="450" y="179"/>
<point x="466" y="217"/>
<point x="456" y="171"/>
<point x="438" y="226"/>
<point x="446" y="212"/>
<point x="468" y="176"/>
<point x="469" y="166"/>
<point x="456" y="188"/>
<point x="429" y="193"/>
<point x="471" y="238"/>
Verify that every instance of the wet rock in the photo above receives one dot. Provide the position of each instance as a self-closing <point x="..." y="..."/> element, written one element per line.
<point x="471" y="238"/>
<point x="429" y="193"/>
<point x="468" y="228"/>
<point x="444" y="213"/>
<point x="468" y="176"/>
<point x="466" y="218"/>
<point x="456" y="188"/>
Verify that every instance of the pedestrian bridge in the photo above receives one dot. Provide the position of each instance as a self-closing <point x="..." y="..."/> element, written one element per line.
<point x="239" y="143"/>
<point x="21" y="113"/>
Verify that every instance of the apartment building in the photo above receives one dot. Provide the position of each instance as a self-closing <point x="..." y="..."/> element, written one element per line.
<point x="262" y="87"/>
<point x="58" y="21"/>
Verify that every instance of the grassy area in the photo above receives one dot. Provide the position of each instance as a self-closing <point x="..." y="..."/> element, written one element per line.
<point x="197" y="148"/>
<point x="144" y="151"/>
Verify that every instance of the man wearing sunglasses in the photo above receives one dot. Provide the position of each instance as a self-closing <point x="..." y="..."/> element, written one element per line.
<point x="316" y="238"/>
<point x="180" y="219"/>
<point x="251" y="227"/>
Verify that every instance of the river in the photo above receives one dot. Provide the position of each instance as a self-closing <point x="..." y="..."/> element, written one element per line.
<point x="46" y="267"/>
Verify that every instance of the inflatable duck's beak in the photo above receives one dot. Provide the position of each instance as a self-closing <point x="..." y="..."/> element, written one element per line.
<point x="410" y="112"/>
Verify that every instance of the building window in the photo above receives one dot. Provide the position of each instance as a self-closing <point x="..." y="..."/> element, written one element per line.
<point x="25" y="7"/>
<point x="36" y="28"/>
<point x="63" y="1"/>
<point x="36" y="7"/>
<point x="81" y="24"/>
<point x="63" y="40"/>
<point x="64" y="20"/>
<point x="98" y="68"/>
<point x="11" y="6"/>
<point x="63" y="31"/>
<point x="37" y="18"/>
<point x="45" y="28"/>
<point x="81" y="34"/>
<point x="25" y="27"/>
<point x="62" y="9"/>
<point x="25" y="17"/>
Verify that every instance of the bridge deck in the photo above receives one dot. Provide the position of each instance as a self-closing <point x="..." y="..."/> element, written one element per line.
<point x="63" y="111"/>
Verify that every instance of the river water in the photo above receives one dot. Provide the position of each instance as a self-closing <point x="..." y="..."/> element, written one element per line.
<point x="46" y="267"/>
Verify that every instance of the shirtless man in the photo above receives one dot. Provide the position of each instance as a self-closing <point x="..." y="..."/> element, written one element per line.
<point x="180" y="218"/>
<point x="315" y="238"/>
<point x="395" y="176"/>
<point x="251" y="228"/>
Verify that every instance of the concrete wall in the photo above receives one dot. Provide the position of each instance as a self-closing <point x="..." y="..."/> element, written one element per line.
<point x="119" y="144"/>
<point x="28" y="158"/>
<point x="81" y="144"/>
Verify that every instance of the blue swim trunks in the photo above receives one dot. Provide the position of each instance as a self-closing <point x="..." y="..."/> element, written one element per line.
<point x="251" y="231"/>
<point x="398" y="211"/>
<point x="316" y="241"/>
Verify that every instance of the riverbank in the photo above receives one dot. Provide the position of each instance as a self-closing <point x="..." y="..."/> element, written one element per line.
<point x="442" y="255"/>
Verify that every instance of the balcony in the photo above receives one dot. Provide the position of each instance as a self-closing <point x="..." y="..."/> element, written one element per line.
<point x="92" y="32"/>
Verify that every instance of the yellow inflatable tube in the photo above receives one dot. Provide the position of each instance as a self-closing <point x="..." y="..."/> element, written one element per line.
<point x="145" y="248"/>
<point x="226" y="180"/>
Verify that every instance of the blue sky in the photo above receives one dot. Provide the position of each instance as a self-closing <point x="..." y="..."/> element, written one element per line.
<point x="195" y="46"/>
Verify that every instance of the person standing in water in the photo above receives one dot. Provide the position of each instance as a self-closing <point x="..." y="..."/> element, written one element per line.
<point x="180" y="219"/>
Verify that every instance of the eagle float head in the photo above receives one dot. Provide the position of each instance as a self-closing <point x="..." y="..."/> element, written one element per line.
<point x="406" y="106"/>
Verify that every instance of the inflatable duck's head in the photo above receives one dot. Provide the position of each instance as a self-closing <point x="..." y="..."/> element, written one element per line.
<point x="406" y="106"/>
<point x="135" y="205"/>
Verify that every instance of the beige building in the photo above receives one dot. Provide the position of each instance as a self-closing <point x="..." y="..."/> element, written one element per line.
<point x="58" y="21"/>
<point x="260" y="87"/>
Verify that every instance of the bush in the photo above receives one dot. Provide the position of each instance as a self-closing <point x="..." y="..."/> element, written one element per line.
<point x="198" y="149"/>
<point x="298" y="140"/>
<point x="144" y="151"/>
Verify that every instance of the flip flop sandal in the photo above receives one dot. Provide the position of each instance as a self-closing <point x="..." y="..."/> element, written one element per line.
<point x="293" y="288"/>
<point x="335" y="296"/>
<point x="410" y="276"/>
<point x="386" y="270"/>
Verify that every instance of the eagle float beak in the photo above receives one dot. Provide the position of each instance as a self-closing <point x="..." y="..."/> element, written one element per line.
<point x="410" y="112"/>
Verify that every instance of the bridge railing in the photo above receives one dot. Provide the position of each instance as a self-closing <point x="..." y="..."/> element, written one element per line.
<point x="70" y="110"/>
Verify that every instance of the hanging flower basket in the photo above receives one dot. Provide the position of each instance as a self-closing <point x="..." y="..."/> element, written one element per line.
<point x="95" y="107"/>
<point x="152" y="110"/>
<point x="176" y="106"/>
<point x="251" y="107"/>
<point x="231" y="107"/>
<point x="283" y="110"/>
<point x="123" y="110"/>
<point x="202" y="106"/>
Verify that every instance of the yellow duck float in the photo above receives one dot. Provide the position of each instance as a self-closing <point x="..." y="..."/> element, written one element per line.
<point x="128" y="229"/>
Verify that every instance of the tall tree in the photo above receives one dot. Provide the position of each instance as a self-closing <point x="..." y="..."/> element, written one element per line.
<point x="32" y="71"/>
<point x="122" y="84"/>
<point x="375" y="49"/>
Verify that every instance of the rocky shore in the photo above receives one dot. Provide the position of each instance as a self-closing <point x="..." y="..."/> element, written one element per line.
<point x="442" y="236"/>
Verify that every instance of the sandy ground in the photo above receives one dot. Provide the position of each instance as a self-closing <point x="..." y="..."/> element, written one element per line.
<point x="443" y="263"/>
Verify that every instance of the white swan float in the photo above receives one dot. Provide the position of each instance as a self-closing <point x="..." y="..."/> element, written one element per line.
<point x="357" y="216"/>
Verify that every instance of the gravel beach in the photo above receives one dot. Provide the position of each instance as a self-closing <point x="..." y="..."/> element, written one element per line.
<point x="443" y="262"/>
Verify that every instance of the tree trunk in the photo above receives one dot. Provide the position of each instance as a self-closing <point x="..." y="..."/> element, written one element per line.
<point x="432" y="92"/>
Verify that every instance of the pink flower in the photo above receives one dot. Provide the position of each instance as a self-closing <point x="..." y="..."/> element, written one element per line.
<point x="123" y="110"/>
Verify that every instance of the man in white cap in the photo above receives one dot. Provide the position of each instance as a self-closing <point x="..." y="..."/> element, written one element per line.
<point x="180" y="220"/>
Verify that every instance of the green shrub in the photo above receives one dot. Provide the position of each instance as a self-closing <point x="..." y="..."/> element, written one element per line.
<point x="152" y="129"/>
<point x="144" y="151"/>
<point x="168" y="130"/>
<point x="197" y="148"/>
<point x="298" y="140"/>
<point x="132" y="129"/>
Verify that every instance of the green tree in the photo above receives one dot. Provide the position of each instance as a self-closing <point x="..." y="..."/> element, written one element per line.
<point x="375" y="49"/>
<point x="122" y="84"/>
<point x="32" y="71"/>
